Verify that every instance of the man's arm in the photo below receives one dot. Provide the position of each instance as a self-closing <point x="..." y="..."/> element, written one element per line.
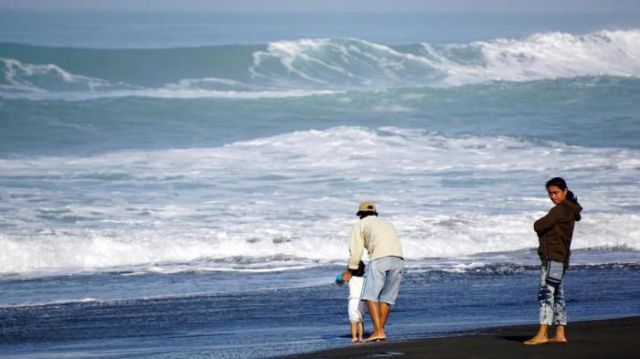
<point x="356" y="247"/>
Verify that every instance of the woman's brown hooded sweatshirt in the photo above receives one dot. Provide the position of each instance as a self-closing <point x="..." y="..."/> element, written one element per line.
<point x="555" y="231"/>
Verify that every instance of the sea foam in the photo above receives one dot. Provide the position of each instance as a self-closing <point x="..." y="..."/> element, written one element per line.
<point x="290" y="197"/>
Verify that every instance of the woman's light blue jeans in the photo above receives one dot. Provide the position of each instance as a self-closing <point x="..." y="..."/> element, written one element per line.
<point x="553" y="309"/>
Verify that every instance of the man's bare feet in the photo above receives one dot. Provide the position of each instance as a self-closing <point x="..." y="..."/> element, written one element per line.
<point x="536" y="341"/>
<point x="558" y="340"/>
<point x="376" y="337"/>
<point x="354" y="340"/>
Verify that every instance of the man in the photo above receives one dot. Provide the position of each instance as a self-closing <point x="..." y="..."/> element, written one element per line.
<point x="384" y="271"/>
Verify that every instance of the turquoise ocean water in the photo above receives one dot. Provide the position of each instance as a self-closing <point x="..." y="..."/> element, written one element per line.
<point x="171" y="164"/>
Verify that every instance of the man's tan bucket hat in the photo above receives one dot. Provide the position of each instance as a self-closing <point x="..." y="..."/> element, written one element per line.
<point x="367" y="206"/>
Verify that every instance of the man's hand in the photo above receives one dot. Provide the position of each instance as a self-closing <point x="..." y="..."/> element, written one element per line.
<point x="346" y="275"/>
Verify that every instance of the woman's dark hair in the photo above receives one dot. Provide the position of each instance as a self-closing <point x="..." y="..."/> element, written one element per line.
<point x="562" y="184"/>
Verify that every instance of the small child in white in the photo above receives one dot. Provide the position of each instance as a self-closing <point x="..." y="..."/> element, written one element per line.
<point x="356" y="306"/>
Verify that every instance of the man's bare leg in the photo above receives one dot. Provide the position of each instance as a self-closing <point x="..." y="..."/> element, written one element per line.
<point x="378" y="330"/>
<point x="385" y="308"/>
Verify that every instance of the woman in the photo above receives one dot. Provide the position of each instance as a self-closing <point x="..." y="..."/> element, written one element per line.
<point x="554" y="235"/>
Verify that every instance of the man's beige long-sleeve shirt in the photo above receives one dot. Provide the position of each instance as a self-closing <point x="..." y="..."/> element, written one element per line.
<point x="375" y="234"/>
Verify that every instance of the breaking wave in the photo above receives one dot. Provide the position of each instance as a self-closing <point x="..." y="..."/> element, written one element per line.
<point x="312" y="66"/>
<point x="253" y="200"/>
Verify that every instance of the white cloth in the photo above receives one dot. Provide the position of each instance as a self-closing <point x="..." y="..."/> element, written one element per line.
<point x="356" y="306"/>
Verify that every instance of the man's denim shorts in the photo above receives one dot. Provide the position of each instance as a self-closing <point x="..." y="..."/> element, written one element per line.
<point x="382" y="279"/>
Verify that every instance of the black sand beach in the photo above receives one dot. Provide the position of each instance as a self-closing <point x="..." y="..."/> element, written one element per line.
<point x="614" y="338"/>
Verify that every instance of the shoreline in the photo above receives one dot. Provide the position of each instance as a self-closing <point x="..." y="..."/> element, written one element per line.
<point x="605" y="338"/>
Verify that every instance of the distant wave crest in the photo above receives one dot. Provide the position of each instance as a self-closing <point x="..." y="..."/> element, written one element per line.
<point x="311" y="66"/>
<point x="39" y="78"/>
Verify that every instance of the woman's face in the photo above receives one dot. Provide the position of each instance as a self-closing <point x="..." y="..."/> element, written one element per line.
<point x="556" y="194"/>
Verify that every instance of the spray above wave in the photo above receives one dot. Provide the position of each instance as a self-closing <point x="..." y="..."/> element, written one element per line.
<point x="291" y="68"/>
<point x="358" y="63"/>
<point x="288" y="199"/>
<point x="540" y="57"/>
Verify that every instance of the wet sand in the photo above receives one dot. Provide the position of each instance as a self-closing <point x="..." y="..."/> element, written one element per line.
<point x="608" y="339"/>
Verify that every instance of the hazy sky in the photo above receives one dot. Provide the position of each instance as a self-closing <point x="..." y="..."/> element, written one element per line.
<point x="538" y="6"/>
